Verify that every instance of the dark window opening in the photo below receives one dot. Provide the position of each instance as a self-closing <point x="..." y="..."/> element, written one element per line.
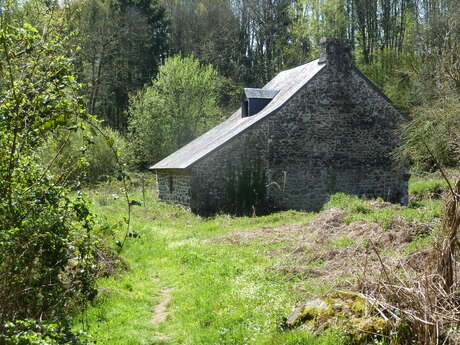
<point x="245" y="108"/>
<point x="254" y="100"/>
<point x="171" y="184"/>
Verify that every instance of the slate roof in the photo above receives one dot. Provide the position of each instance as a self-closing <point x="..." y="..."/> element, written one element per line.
<point x="287" y="82"/>
<point x="260" y="93"/>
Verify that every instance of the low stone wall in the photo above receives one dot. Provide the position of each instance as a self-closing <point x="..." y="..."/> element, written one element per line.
<point x="174" y="187"/>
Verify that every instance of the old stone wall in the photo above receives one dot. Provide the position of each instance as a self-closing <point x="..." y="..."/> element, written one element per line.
<point x="174" y="186"/>
<point x="335" y="135"/>
<point x="233" y="178"/>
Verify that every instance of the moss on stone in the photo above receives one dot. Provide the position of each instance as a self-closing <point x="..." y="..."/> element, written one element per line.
<point x="368" y="325"/>
<point x="342" y="310"/>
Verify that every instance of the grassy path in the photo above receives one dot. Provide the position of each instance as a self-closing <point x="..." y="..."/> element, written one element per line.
<point x="217" y="293"/>
<point x="187" y="285"/>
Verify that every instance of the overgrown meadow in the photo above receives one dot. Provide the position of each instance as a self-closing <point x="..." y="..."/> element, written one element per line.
<point x="225" y="280"/>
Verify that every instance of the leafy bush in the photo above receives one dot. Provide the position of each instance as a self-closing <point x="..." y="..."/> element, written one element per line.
<point x="31" y="332"/>
<point x="46" y="260"/>
<point x="85" y="155"/>
<point x="52" y="234"/>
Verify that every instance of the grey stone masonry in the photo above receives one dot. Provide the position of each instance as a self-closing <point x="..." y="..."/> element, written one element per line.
<point x="335" y="133"/>
<point x="174" y="186"/>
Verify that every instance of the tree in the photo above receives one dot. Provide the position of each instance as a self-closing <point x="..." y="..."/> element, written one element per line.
<point x="180" y="104"/>
<point x="433" y="131"/>
<point x="244" y="39"/>
<point x="122" y="44"/>
<point x="313" y="20"/>
<point x="207" y="29"/>
<point x="263" y="37"/>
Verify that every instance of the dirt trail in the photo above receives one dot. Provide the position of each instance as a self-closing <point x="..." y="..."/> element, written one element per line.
<point x="160" y="313"/>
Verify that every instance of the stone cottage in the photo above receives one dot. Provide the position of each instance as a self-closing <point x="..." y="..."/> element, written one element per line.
<point x="312" y="131"/>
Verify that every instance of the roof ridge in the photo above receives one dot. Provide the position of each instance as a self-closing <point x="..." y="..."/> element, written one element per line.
<point x="287" y="82"/>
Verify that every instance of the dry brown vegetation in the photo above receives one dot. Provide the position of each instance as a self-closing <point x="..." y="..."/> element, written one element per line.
<point x="428" y="300"/>
<point x="330" y="249"/>
<point x="413" y="294"/>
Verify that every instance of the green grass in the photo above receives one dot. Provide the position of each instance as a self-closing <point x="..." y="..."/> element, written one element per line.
<point x="221" y="293"/>
<point x="428" y="187"/>
<point x="342" y="242"/>
<point x="419" y="243"/>
<point x="359" y="209"/>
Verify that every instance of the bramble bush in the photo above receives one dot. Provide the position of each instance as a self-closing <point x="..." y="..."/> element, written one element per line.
<point x="46" y="244"/>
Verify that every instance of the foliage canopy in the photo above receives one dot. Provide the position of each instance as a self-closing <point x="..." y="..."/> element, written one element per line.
<point x="180" y="104"/>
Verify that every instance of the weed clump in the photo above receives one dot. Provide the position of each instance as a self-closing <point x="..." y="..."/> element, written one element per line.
<point x="427" y="302"/>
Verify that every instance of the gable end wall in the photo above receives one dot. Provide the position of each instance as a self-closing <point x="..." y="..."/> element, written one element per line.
<point x="335" y="135"/>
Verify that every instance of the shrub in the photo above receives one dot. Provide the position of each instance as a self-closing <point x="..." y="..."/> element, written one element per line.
<point x="433" y="131"/>
<point x="85" y="155"/>
<point x="54" y="270"/>
<point x="46" y="246"/>
<point x="31" y="332"/>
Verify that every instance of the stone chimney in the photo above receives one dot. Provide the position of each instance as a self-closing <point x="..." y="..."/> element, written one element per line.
<point x="336" y="53"/>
